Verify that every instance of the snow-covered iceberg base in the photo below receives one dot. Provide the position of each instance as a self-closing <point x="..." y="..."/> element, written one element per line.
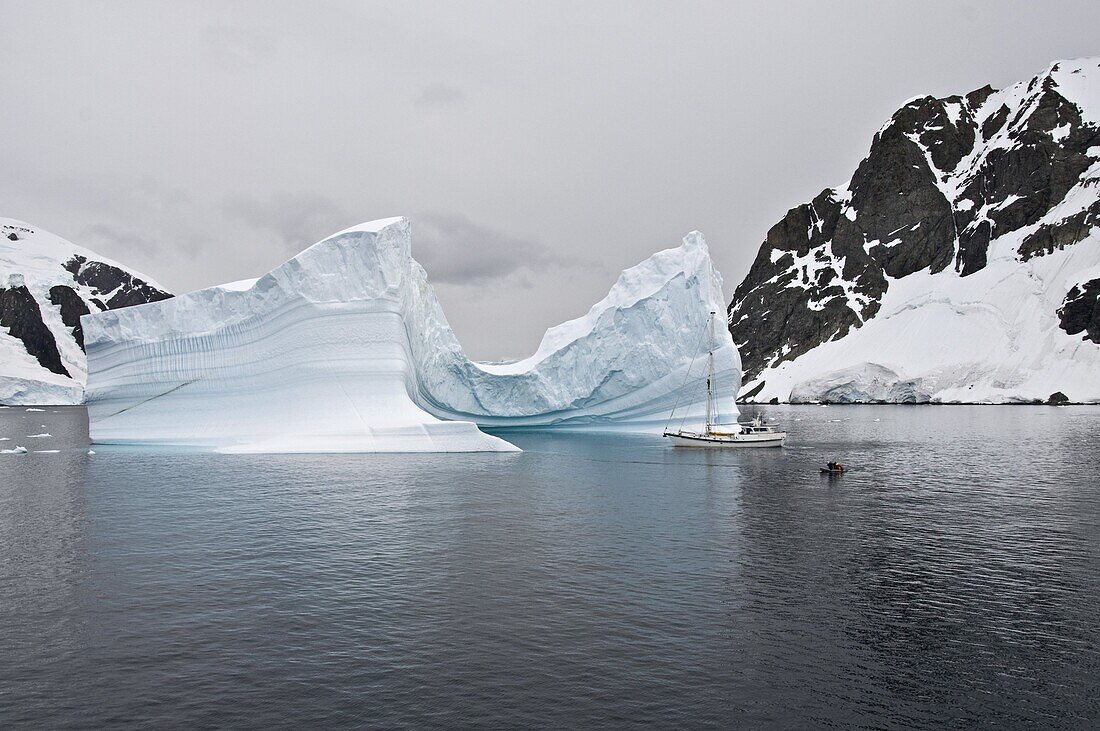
<point x="345" y="349"/>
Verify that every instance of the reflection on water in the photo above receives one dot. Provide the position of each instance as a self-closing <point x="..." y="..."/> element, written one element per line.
<point x="950" y="579"/>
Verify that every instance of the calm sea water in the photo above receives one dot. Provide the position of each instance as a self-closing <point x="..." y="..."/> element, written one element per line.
<point x="952" y="579"/>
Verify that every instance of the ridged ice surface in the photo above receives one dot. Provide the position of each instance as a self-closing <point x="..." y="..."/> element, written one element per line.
<point x="345" y="348"/>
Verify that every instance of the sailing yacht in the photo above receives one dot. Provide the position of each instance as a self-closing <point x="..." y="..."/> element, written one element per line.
<point x="755" y="433"/>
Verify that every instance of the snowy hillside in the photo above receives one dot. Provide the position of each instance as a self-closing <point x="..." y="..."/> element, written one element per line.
<point x="345" y="348"/>
<point x="46" y="284"/>
<point x="961" y="263"/>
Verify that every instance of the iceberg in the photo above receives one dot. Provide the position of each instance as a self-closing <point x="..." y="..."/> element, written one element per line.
<point x="345" y="348"/>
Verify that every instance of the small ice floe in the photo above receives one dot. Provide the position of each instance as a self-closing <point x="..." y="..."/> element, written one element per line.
<point x="43" y="435"/>
<point x="16" y="450"/>
<point x="46" y="451"/>
<point x="35" y="409"/>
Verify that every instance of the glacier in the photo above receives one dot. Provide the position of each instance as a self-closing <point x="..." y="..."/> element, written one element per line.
<point x="345" y="348"/>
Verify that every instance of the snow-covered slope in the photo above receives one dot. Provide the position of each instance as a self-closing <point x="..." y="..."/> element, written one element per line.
<point x="345" y="348"/>
<point x="960" y="264"/>
<point x="46" y="284"/>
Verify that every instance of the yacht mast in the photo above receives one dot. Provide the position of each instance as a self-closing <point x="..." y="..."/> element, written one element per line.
<point x="710" y="371"/>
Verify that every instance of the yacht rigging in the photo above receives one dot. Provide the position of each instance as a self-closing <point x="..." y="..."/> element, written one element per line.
<point x="754" y="433"/>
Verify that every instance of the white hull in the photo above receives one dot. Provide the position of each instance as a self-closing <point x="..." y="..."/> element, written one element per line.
<point x="724" y="441"/>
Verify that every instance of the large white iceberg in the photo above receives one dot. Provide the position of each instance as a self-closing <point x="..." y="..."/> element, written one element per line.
<point x="345" y="348"/>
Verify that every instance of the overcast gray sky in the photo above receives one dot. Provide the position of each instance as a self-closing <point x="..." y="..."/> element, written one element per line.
<point x="539" y="148"/>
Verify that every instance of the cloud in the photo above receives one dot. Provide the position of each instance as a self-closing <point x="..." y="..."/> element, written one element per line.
<point x="116" y="237"/>
<point x="296" y="220"/>
<point x="452" y="248"/>
<point x="145" y="244"/>
<point x="439" y="94"/>
<point x="455" y="250"/>
<point x="233" y="47"/>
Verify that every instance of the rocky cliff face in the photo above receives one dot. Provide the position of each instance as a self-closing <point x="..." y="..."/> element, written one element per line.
<point x="22" y="316"/>
<point x="46" y="284"/>
<point x="977" y="206"/>
<point x="1080" y="313"/>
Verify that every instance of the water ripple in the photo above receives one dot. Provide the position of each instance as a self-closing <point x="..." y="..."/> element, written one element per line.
<point x="950" y="580"/>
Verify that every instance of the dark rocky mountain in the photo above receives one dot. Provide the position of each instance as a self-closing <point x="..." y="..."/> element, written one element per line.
<point x="46" y="284"/>
<point x="959" y="200"/>
<point x="124" y="288"/>
<point x="72" y="308"/>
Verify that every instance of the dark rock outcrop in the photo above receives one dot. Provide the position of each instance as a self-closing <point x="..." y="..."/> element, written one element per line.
<point x="1080" y="311"/>
<point x="1067" y="232"/>
<point x="20" y="314"/>
<point x="72" y="307"/>
<point x="794" y="297"/>
<point x="125" y="290"/>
